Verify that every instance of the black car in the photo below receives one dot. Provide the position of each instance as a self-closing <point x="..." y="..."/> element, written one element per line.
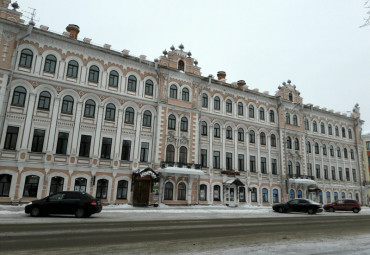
<point x="67" y="202"/>
<point x="298" y="205"/>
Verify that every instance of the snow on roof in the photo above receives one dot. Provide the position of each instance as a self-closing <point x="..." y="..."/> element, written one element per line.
<point x="302" y="181"/>
<point x="180" y="170"/>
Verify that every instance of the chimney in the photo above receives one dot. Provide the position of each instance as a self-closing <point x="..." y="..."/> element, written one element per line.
<point x="221" y="75"/>
<point x="241" y="83"/>
<point x="73" y="30"/>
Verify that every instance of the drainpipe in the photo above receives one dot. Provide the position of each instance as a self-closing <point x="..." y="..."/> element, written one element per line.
<point x="358" y="123"/>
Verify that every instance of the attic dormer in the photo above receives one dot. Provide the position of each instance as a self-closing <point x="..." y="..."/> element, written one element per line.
<point x="180" y="60"/>
<point x="288" y="92"/>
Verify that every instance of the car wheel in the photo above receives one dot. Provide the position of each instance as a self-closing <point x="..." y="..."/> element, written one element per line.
<point x="311" y="211"/>
<point x="331" y="209"/>
<point x="80" y="212"/>
<point x="355" y="210"/>
<point x="87" y="215"/>
<point x="281" y="210"/>
<point x="35" y="212"/>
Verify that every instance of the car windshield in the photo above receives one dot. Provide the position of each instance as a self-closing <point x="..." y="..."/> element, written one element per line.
<point x="293" y="202"/>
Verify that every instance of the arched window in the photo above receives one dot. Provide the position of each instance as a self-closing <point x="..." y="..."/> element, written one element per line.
<point x="273" y="140"/>
<point x="320" y="197"/>
<point x="147" y="119"/>
<point x="295" y="120"/>
<point x="322" y="127"/>
<point x="122" y="188"/>
<point x="216" y="130"/>
<point x="336" y="131"/>
<point x="308" y="147"/>
<point x="317" y="150"/>
<point x="181" y="191"/>
<point x="262" y="113"/>
<point x="26" y="58"/>
<point x="253" y="195"/>
<point x="19" y="96"/>
<point x="328" y="197"/>
<point x="204" y="100"/>
<point x="299" y="194"/>
<point x="31" y="186"/>
<point x="113" y="79"/>
<point x="252" y="136"/>
<point x="251" y="111"/>
<point x="287" y="118"/>
<point x="335" y="196"/>
<point x="292" y="194"/>
<point x="94" y="74"/>
<point x="291" y="97"/>
<point x="185" y="94"/>
<point x="67" y="105"/>
<point x="89" y="109"/>
<point x="240" y="134"/>
<point x="217" y="103"/>
<point x="216" y="193"/>
<point x="102" y="189"/>
<point x="349" y="133"/>
<point x="56" y="185"/>
<point x="229" y="133"/>
<point x="296" y="144"/>
<point x="343" y="195"/>
<point x="290" y="168"/>
<point x="5" y="182"/>
<point x="203" y="192"/>
<point x="289" y="142"/>
<point x="181" y="66"/>
<point x="172" y="122"/>
<point x="306" y="124"/>
<point x="184" y="124"/>
<point x="44" y="101"/>
<point x="345" y="152"/>
<point x="324" y="152"/>
<point x="275" y="194"/>
<point x="168" y="191"/>
<point x="339" y="153"/>
<point x="170" y="153"/>
<point x="229" y="106"/>
<point x="240" y="109"/>
<point x="80" y="184"/>
<point x="262" y="139"/>
<point x="330" y="129"/>
<point x="50" y="63"/>
<point x="314" y="126"/>
<point x="173" y="91"/>
<point x="110" y="112"/>
<point x="265" y="195"/>
<point x="343" y="132"/>
<point x="72" y="69"/>
<point x="132" y="81"/>
<point x="331" y="151"/>
<point x="149" y="87"/>
<point x="204" y="128"/>
<point x="298" y="169"/>
<point x="272" y="116"/>
<point x="129" y="115"/>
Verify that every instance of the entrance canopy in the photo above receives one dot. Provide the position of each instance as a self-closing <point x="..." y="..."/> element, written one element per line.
<point x="145" y="172"/>
<point x="180" y="170"/>
<point x="235" y="181"/>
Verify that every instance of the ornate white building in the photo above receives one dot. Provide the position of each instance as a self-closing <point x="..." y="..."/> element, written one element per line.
<point x="75" y="116"/>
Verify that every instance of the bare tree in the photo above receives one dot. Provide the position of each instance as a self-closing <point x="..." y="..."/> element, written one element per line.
<point x="367" y="19"/>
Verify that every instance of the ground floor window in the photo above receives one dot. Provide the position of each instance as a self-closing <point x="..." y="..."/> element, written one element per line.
<point x="299" y="194"/>
<point x="292" y="194"/>
<point x="203" y="192"/>
<point x="241" y="194"/>
<point x="254" y="195"/>
<point x="327" y="197"/>
<point x="335" y="196"/>
<point x="80" y="184"/>
<point x="122" y="189"/>
<point x="102" y="189"/>
<point x="265" y="195"/>
<point x="216" y="193"/>
<point x="168" y="191"/>
<point x="343" y="195"/>
<point x="320" y="197"/>
<point x="5" y="181"/>
<point x="31" y="186"/>
<point x="56" y="184"/>
<point x="357" y="197"/>
<point x="181" y="192"/>
<point x="275" y="194"/>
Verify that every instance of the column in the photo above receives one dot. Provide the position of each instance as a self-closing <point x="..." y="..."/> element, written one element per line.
<point x="210" y="147"/>
<point x="223" y="152"/>
<point x="27" y="124"/>
<point x="38" y="65"/>
<point x="247" y="145"/>
<point x="137" y="138"/>
<point x="268" y="160"/>
<point x="76" y="128"/>
<point x="236" y="150"/>
<point x="104" y="80"/>
<point x="258" y="157"/>
<point x="52" y="130"/>
<point x="83" y="75"/>
<point x="118" y="135"/>
<point x="62" y="65"/>
<point x="98" y="131"/>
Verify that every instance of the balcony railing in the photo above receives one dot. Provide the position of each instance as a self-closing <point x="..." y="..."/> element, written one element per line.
<point x="165" y="164"/>
<point x="230" y="172"/>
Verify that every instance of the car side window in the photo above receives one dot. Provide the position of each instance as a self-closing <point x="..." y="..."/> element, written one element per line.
<point x="293" y="202"/>
<point x="73" y="196"/>
<point x="56" y="197"/>
<point x="340" y="202"/>
<point x="302" y="201"/>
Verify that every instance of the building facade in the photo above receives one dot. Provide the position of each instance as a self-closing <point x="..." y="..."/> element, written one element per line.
<point x="75" y="116"/>
<point x="366" y="139"/>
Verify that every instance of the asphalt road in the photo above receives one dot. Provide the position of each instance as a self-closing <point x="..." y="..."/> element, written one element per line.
<point x="171" y="237"/>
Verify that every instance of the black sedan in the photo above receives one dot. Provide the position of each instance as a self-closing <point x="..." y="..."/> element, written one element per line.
<point x="298" y="205"/>
<point x="67" y="202"/>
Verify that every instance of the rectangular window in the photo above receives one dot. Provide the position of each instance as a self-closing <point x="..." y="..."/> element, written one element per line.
<point x="347" y="175"/>
<point x="263" y="165"/>
<point x="203" y="158"/>
<point x="241" y="162"/>
<point x="126" y="149"/>
<point x="326" y="172"/>
<point x="309" y="169"/>
<point x="340" y="173"/>
<point x="11" y="138"/>
<point x="333" y="173"/>
<point x="318" y="171"/>
<point x="229" y="161"/>
<point x="252" y="164"/>
<point x="216" y="159"/>
<point x="368" y="146"/>
<point x="38" y="140"/>
<point x="354" y="175"/>
<point x="144" y="152"/>
<point x="273" y="166"/>
<point x="85" y="145"/>
<point x="62" y="143"/>
<point x="106" y="148"/>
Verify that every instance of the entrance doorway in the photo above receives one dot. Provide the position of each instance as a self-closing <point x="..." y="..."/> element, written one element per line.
<point x="141" y="192"/>
<point x="230" y="195"/>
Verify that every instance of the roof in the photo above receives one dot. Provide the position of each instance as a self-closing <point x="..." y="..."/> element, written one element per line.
<point x="181" y="170"/>
<point x="235" y="181"/>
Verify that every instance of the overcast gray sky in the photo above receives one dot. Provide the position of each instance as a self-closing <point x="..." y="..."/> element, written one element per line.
<point x="317" y="44"/>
